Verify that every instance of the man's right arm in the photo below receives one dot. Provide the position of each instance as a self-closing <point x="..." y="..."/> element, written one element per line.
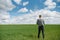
<point x="37" y="22"/>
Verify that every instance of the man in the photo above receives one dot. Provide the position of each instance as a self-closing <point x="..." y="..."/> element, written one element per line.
<point x="40" y="23"/>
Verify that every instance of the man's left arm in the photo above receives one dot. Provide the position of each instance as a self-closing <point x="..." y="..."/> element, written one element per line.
<point x="43" y="22"/>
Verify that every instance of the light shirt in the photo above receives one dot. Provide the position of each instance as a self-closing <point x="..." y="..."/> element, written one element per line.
<point x="40" y="22"/>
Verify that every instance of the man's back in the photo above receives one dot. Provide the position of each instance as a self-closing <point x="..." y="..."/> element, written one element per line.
<point x="40" y="21"/>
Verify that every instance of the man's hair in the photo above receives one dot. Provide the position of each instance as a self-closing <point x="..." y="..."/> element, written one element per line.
<point x="39" y="15"/>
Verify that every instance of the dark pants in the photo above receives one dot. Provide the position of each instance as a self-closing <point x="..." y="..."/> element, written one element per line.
<point x="41" y="28"/>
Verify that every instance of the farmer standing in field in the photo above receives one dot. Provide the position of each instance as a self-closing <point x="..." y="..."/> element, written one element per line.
<point x="40" y="23"/>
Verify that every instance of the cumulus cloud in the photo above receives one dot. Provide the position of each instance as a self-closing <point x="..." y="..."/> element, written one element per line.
<point x="4" y="17"/>
<point x="25" y="3"/>
<point x="18" y="1"/>
<point x="50" y="4"/>
<point x="50" y="17"/>
<point x="2" y="7"/>
<point x="23" y="10"/>
<point x="6" y="5"/>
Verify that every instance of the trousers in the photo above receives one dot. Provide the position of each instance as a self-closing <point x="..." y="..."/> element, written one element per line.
<point x="41" y="28"/>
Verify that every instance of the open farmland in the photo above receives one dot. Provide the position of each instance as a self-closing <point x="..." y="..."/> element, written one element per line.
<point x="28" y="32"/>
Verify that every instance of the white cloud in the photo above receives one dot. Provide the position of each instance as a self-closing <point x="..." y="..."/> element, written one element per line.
<point x="2" y="7"/>
<point x="25" y="3"/>
<point x="18" y="1"/>
<point x="50" y="4"/>
<point x="50" y="17"/>
<point x="4" y="17"/>
<point x="6" y="5"/>
<point x="23" y="10"/>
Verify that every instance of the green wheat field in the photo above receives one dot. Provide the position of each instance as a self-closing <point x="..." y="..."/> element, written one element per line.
<point x="28" y="32"/>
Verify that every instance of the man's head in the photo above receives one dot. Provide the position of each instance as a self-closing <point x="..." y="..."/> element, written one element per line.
<point x="40" y="16"/>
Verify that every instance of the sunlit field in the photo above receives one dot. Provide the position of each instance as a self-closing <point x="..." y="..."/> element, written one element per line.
<point x="28" y="32"/>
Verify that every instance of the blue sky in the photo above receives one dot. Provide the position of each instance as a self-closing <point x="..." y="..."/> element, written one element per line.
<point x="16" y="11"/>
<point x="33" y="5"/>
<point x="57" y="4"/>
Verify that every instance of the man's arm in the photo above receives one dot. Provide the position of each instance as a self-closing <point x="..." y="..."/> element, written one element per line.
<point x="37" y="22"/>
<point x="43" y="22"/>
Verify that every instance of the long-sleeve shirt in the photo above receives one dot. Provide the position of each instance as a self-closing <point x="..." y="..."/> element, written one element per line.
<point x="40" y="22"/>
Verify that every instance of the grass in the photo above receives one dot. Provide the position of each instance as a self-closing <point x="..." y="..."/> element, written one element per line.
<point x="28" y="32"/>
